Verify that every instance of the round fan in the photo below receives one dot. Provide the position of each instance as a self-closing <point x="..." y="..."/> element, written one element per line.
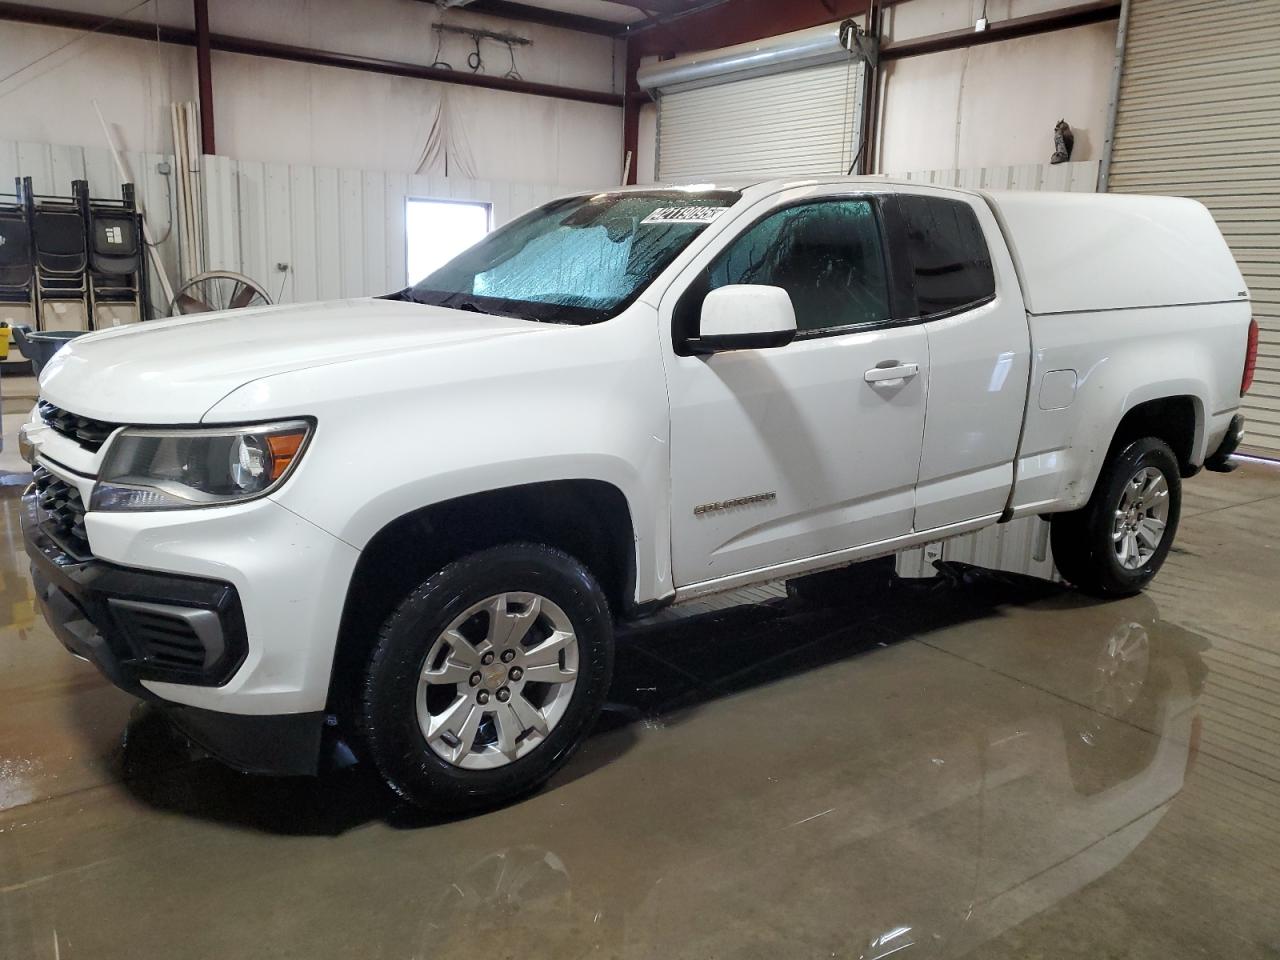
<point x="217" y="290"/>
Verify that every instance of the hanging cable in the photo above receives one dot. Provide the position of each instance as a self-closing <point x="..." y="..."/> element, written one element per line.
<point x="513" y="73"/>
<point x="475" y="59"/>
<point x="76" y="39"/>
<point x="437" y="62"/>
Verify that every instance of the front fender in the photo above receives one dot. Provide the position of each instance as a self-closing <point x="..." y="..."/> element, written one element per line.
<point x="395" y="434"/>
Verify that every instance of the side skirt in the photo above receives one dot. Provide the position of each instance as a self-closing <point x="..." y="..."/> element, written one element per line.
<point x="829" y="561"/>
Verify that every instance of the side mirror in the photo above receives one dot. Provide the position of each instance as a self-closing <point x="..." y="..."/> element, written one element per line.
<point x="744" y="317"/>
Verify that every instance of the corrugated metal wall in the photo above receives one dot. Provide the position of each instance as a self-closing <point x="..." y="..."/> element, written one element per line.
<point x="340" y="232"/>
<point x="1199" y="116"/>
<point x="1080" y="177"/>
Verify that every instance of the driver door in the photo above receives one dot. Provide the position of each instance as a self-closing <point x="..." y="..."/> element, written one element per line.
<point x="813" y="448"/>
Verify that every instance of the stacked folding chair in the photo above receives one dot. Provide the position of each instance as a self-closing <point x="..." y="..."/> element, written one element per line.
<point x="62" y="260"/>
<point x="17" y="267"/>
<point x="117" y="269"/>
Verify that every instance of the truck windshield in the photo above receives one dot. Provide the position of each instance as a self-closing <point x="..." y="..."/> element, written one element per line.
<point x="579" y="260"/>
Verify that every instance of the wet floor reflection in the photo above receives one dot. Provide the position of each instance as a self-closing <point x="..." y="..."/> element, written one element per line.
<point x="922" y="776"/>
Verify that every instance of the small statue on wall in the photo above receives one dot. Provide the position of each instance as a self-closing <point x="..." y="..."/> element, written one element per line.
<point x="1063" y="142"/>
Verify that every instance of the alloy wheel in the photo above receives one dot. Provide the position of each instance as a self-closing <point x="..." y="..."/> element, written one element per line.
<point x="497" y="680"/>
<point x="1141" y="518"/>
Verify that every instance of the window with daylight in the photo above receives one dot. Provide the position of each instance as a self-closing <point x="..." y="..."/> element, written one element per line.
<point x="436" y="231"/>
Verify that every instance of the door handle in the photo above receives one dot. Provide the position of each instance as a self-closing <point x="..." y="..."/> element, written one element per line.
<point x="891" y="375"/>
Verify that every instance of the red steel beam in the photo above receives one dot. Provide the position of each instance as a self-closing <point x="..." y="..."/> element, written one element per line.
<point x="661" y="6"/>
<point x="24" y="13"/>
<point x="737" y="21"/>
<point x="398" y="68"/>
<point x="1098" y="11"/>
<point x="204" y="75"/>
<point x="550" y="18"/>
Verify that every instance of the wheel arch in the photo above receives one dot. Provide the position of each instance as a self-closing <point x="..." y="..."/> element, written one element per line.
<point x="1176" y="418"/>
<point x="588" y="519"/>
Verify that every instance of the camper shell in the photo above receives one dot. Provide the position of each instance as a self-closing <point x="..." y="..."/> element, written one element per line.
<point x="1066" y="247"/>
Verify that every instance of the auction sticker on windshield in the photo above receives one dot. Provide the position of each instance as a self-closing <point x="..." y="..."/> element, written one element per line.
<point x="684" y="215"/>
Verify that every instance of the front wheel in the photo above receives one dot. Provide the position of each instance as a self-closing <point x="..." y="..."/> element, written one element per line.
<point x="1116" y="543"/>
<point x="487" y="677"/>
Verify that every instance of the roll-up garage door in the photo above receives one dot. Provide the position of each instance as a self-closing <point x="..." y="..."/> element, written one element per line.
<point x="802" y="121"/>
<point x="790" y="104"/>
<point x="1199" y="116"/>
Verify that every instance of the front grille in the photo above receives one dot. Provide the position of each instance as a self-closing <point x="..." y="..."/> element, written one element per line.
<point x="62" y="512"/>
<point x="89" y="433"/>
<point x="160" y="638"/>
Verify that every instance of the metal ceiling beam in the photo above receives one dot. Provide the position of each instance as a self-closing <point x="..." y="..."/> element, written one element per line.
<point x="722" y="23"/>
<point x="225" y="43"/>
<point x="1098" y="11"/>
<point x="660" y="6"/>
<point x="547" y="18"/>
<point x="204" y="77"/>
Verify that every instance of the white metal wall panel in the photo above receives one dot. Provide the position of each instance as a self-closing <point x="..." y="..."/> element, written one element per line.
<point x="1199" y="116"/>
<point x="340" y="233"/>
<point x="1079" y="177"/>
<point x="802" y="121"/>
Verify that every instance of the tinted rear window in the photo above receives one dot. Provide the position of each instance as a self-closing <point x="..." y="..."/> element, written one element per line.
<point x="950" y="262"/>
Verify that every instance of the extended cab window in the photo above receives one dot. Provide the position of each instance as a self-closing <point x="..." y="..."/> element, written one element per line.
<point x="826" y="255"/>
<point x="950" y="263"/>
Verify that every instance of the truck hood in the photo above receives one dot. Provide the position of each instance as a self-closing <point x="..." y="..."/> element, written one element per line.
<point x="174" y="371"/>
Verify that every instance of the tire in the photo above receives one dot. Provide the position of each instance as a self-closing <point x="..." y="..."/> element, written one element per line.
<point x="1085" y="545"/>
<point x="508" y="753"/>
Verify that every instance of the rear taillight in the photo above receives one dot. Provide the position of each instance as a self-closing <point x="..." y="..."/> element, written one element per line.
<point x="1250" y="358"/>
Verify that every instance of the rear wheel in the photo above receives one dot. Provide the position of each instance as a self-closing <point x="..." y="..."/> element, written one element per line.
<point x="487" y="677"/>
<point x="1116" y="543"/>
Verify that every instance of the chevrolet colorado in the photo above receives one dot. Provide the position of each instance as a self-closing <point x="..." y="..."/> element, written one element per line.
<point x="424" y="536"/>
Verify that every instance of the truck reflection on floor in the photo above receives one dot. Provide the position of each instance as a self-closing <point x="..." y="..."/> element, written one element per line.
<point x="953" y="829"/>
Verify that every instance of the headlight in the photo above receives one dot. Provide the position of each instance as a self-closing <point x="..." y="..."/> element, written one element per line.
<point x="179" y="469"/>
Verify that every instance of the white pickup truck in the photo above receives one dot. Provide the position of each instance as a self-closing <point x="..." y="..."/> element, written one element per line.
<point x="417" y="519"/>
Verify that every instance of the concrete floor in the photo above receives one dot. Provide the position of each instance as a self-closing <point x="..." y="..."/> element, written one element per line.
<point x="993" y="767"/>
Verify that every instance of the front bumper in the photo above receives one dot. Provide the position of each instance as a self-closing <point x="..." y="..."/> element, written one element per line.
<point x="135" y="625"/>
<point x="151" y="632"/>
